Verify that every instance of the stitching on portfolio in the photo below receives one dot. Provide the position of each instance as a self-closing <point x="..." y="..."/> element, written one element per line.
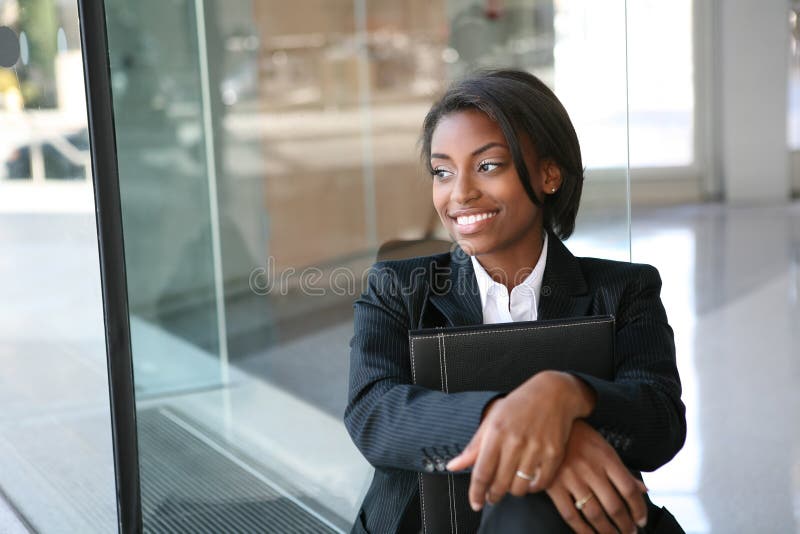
<point x="455" y="508"/>
<point x="518" y="329"/>
<point x="441" y="368"/>
<point x="422" y="503"/>
<point x="450" y="501"/>
<point x="446" y="383"/>
<point x="413" y="370"/>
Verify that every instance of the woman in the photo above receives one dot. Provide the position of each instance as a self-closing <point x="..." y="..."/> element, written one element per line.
<point x="554" y="453"/>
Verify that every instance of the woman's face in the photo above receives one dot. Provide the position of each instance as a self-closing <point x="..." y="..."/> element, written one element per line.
<point x="476" y="189"/>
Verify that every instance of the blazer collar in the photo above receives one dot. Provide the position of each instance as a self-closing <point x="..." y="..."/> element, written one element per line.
<point x="564" y="289"/>
<point x="453" y="288"/>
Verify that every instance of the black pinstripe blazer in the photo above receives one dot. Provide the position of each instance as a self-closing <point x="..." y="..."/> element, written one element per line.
<point x="401" y="429"/>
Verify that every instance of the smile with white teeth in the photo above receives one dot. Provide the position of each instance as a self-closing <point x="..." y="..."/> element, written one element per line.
<point x="471" y="219"/>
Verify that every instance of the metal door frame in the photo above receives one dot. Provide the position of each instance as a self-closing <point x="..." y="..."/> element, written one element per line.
<point x="108" y="213"/>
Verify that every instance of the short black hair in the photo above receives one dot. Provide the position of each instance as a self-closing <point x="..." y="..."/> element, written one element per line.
<point x="521" y="104"/>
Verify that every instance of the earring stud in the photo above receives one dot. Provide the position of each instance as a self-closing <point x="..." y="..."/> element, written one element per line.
<point x="553" y="190"/>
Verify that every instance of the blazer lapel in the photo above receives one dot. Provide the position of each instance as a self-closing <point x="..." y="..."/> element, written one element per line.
<point x="564" y="290"/>
<point x="453" y="295"/>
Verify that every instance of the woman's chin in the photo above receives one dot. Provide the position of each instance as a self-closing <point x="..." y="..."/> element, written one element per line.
<point x="472" y="247"/>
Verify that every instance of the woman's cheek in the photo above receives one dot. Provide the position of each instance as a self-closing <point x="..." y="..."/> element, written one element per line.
<point x="440" y="204"/>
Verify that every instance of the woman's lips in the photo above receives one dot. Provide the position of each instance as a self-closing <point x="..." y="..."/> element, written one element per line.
<point x="470" y="224"/>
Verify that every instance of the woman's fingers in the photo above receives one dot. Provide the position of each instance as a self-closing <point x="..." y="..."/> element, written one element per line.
<point x="620" y="497"/>
<point x="528" y="466"/>
<point x="631" y="490"/>
<point x="469" y="455"/>
<point x="549" y="461"/>
<point x="506" y="468"/>
<point x="484" y="471"/>
<point x="586" y="498"/>
<point x="521" y="485"/>
<point x="566" y="507"/>
<point x="612" y="506"/>
<point x="592" y="510"/>
<point x="593" y="476"/>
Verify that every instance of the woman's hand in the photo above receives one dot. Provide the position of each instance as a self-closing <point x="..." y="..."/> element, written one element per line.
<point x="592" y="469"/>
<point x="525" y="431"/>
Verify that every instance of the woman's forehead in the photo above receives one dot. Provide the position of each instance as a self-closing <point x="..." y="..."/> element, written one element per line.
<point x="462" y="129"/>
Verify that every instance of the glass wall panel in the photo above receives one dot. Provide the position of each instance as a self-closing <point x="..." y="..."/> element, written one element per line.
<point x="56" y="460"/>
<point x="793" y="103"/>
<point x="164" y="183"/>
<point x="268" y="156"/>
<point x="662" y="83"/>
<point x="589" y="76"/>
<point x="793" y="119"/>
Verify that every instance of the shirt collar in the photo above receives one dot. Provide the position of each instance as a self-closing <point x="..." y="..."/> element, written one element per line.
<point x="533" y="281"/>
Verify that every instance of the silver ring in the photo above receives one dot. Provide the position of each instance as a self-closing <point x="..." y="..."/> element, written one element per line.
<point x="523" y="475"/>
<point x="579" y="504"/>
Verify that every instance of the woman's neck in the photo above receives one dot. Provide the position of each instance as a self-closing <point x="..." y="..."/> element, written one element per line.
<point x="512" y="266"/>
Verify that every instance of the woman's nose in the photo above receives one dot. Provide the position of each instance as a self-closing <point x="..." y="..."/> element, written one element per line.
<point x="464" y="189"/>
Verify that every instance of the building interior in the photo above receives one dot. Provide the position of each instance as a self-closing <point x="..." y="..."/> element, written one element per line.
<point x="268" y="155"/>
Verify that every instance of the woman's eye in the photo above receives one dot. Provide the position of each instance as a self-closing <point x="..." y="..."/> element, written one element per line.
<point x="488" y="166"/>
<point x="440" y="173"/>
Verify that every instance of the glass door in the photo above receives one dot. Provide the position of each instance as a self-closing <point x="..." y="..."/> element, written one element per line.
<point x="267" y="156"/>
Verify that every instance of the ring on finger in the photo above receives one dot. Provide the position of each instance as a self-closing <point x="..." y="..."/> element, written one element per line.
<point x="580" y="503"/>
<point x="525" y="476"/>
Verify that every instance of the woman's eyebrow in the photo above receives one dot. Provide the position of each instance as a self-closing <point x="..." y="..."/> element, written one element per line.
<point x="484" y="148"/>
<point x="487" y="146"/>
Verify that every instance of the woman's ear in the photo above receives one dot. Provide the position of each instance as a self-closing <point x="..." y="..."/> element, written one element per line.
<point x="551" y="174"/>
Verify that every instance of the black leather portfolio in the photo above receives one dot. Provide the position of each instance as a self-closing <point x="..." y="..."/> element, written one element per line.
<point x="497" y="357"/>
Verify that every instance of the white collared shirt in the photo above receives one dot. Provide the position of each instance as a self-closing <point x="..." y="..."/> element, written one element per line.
<point x="524" y="299"/>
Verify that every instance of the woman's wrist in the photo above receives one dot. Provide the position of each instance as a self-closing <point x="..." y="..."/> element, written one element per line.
<point x="568" y="391"/>
<point x="583" y="396"/>
<point x="489" y="406"/>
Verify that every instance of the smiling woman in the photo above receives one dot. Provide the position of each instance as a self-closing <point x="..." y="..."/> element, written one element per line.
<point x="562" y="451"/>
<point x="479" y="196"/>
<point x="520" y="114"/>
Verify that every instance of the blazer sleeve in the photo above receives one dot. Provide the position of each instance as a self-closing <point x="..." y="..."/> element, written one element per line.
<point x="394" y="423"/>
<point x="640" y="412"/>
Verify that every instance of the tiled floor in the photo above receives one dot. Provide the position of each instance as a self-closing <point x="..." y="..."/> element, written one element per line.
<point x="56" y="461"/>
<point x="732" y="291"/>
<point x="731" y="279"/>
